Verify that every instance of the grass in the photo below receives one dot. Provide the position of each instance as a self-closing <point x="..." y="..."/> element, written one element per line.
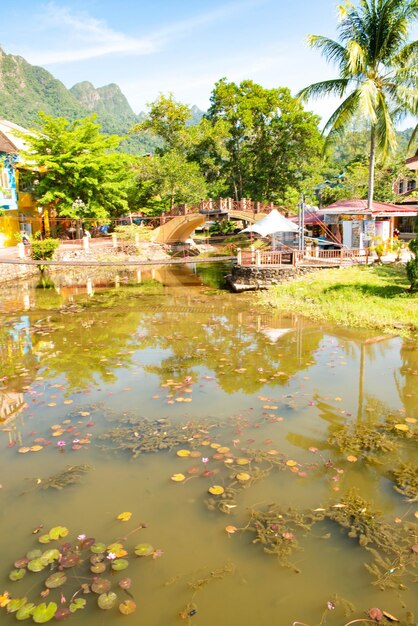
<point x="363" y="297"/>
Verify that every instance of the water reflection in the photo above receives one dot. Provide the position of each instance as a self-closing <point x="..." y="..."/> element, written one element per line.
<point x="166" y="347"/>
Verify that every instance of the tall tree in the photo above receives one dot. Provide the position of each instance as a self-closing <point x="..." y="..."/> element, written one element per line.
<point x="378" y="70"/>
<point x="80" y="174"/>
<point x="271" y="141"/>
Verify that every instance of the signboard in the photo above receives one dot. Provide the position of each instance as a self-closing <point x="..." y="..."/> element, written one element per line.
<point x="355" y="234"/>
<point x="369" y="229"/>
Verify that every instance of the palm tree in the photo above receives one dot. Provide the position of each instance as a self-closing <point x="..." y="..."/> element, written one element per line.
<point x="378" y="67"/>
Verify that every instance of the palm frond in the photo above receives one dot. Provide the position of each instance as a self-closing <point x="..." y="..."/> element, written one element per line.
<point x="334" y="87"/>
<point x="356" y="58"/>
<point x="343" y="114"/>
<point x="330" y="49"/>
<point x="385" y="129"/>
<point x="413" y="138"/>
<point x="368" y="100"/>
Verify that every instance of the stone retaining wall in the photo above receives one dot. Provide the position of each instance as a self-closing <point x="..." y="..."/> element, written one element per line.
<point x="246" y="278"/>
<point x="10" y="273"/>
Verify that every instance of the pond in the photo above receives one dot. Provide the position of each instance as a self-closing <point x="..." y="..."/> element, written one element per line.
<point x="169" y="446"/>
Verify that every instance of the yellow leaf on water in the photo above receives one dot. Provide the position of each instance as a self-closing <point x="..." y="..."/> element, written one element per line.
<point x="125" y="516"/>
<point x="4" y="599"/>
<point x="402" y="427"/>
<point x="216" y="490"/>
<point x="291" y="463"/>
<point x="416" y="514"/>
<point x="36" y="448"/>
<point x="243" y="477"/>
<point x="410" y="420"/>
<point x="183" y="453"/>
<point x="68" y="401"/>
<point x="178" y="478"/>
<point x="223" y="450"/>
<point x="242" y="461"/>
<point x="351" y="458"/>
<point x="23" y="450"/>
<point x="231" y="529"/>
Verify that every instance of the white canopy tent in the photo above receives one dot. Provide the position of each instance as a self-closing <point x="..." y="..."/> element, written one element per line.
<point x="273" y="223"/>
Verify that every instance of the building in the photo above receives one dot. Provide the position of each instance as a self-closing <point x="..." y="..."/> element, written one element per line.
<point x="17" y="203"/>
<point x="358" y="227"/>
<point x="407" y="182"/>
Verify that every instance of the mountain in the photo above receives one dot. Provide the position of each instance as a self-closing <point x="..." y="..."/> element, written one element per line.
<point x="26" y="89"/>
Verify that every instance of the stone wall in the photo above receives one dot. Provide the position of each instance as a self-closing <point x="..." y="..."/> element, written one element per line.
<point x="246" y="278"/>
<point x="10" y="273"/>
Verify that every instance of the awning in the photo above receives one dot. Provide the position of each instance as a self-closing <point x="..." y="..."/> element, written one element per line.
<point x="273" y="223"/>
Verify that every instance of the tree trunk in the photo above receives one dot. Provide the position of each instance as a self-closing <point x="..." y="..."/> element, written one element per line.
<point x="371" y="167"/>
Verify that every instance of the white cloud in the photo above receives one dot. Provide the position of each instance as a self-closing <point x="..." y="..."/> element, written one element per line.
<point x="82" y="37"/>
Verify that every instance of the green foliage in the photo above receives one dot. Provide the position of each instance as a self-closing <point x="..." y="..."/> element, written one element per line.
<point x="222" y="228"/>
<point x="43" y="249"/>
<point x="412" y="265"/>
<point x="167" y="119"/>
<point x="167" y="180"/>
<point x="81" y="175"/>
<point x="272" y="144"/>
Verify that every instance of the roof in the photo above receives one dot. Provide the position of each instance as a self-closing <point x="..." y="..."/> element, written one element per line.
<point x="380" y="209"/>
<point x="9" y="138"/>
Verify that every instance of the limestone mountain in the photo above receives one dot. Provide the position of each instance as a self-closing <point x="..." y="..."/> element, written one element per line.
<point x="27" y="89"/>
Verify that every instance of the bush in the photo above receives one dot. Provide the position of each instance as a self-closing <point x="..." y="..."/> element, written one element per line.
<point x="412" y="265"/>
<point x="129" y="232"/>
<point x="43" y="249"/>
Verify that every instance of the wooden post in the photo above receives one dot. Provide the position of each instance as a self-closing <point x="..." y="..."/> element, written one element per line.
<point x="114" y="240"/>
<point x="239" y="256"/>
<point x="252" y="254"/>
<point x="86" y="244"/>
<point x="258" y="258"/>
<point x="21" y="250"/>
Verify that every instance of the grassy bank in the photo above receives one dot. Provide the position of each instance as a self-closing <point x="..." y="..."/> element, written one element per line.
<point x="364" y="297"/>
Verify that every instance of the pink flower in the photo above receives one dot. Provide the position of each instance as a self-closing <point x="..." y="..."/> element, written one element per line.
<point x="61" y="444"/>
<point x="111" y="556"/>
<point x="157" y="553"/>
<point x="81" y="537"/>
<point x="205" y="459"/>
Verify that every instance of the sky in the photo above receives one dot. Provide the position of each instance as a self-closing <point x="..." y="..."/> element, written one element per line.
<point x="149" y="47"/>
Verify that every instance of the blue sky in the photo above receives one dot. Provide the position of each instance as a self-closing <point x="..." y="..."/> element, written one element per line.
<point x="180" y="46"/>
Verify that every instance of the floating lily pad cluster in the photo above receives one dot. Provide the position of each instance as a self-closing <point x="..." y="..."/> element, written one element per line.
<point x="73" y="574"/>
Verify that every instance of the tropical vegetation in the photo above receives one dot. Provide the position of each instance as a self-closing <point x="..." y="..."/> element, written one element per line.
<point x="377" y="69"/>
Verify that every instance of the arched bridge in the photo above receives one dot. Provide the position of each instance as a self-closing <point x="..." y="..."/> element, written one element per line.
<point x="178" y="228"/>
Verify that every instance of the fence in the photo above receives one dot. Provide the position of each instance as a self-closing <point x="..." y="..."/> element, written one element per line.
<point x="262" y="258"/>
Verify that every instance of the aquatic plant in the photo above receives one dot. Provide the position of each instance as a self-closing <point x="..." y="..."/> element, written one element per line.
<point x="406" y="477"/>
<point x="71" y="475"/>
<point x="74" y="569"/>
<point x="362" y="439"/>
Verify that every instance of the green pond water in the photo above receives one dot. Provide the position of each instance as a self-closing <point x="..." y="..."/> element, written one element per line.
<point x="118" y="374"/>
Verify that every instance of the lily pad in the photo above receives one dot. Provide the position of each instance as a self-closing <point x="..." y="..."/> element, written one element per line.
<point x="96" y="558"/>
<point x="15" y="604"/>
<point x="107" y="601"/>
<point x="88" y="542"/>
<point x="120" y="564"/>
<point x="62" y="614"/>
<point x="36" y="565"/>
<point x="25" y="611"/>
<point x="58" y="532"/>
<point x="178" y="478"/>
<point x="70" y="560"/>
<point x="127" y="607"/>
<point x="125" y="583"/>
<point x="17" y="574"/>
<point x="216" y="490"/>
<point x="21" y="563"/>
<point x="44" y="612"/>
<point x="143" y="549"/>
<point x="44" y="539"/>
<point x="34" y="554"/>
<point x="114" y="547"/>
<point x="98" y="568"/>
<point x="98" y="548"/>
<point x="125" y="516"/>
<point x="101" y="585"/>
<point x="77" y="604"/>
<point x="49" y="556"/>
<point x="55" y="580"/>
